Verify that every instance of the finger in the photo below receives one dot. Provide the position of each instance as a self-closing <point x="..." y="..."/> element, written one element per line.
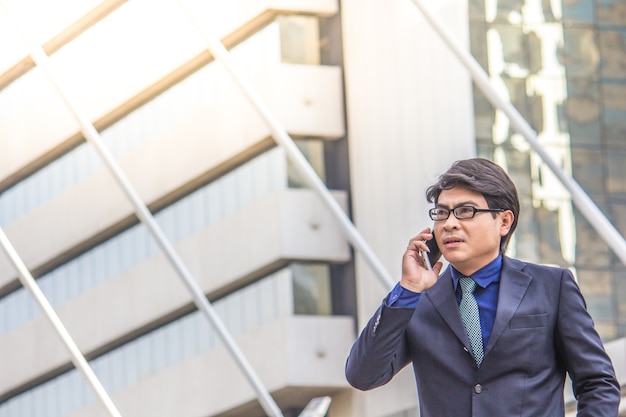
<point x="419" y="257"/>
<point x="422" y="236"/>
<point x="426" y="233"/>
<point x="418" y="244"/>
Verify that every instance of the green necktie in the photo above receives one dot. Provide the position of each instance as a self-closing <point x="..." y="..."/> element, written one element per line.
<point x="471" y="319"/>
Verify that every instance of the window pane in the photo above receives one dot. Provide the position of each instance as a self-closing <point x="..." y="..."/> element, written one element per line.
<point x="311" y="289"/>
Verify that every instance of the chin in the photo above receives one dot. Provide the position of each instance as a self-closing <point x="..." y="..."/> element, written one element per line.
<point x="452" y="256"/>
<point x="455" y="258"/>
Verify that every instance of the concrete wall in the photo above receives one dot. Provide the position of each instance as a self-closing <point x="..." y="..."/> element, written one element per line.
<point x="307" y="99"/>
<point x="285" y="354"/>
<point x="409" y="113"/>
<point x="115" y="66"/>
<point x="292" y="224"/>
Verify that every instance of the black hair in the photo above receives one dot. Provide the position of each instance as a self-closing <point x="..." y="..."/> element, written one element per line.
<point x="484" y="177"/>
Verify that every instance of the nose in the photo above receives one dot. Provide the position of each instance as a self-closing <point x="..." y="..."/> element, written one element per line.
<point x="451" y="222"/>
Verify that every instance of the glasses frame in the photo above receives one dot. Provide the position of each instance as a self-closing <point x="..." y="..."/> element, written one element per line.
<point x="474" y="211"/>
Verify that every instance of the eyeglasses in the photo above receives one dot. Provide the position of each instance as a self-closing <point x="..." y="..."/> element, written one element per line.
<point x="461" y="213"/>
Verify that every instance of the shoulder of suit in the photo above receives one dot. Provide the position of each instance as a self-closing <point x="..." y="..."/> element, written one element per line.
<point x="529" y="267"/>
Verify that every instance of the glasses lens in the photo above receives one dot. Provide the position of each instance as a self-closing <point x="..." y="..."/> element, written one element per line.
<point x="439" y="213"/>
<point x="464" y="212"/>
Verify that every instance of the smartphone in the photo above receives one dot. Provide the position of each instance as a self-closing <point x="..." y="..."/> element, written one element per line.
<point x="434" y="255"/>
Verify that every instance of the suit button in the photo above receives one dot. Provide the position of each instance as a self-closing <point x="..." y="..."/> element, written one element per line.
<point x="478" y="388"/>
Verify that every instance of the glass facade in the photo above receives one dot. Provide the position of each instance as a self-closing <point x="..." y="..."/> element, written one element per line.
<point x="561" y="63"/>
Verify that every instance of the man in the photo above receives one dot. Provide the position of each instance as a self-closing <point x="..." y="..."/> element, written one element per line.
<point x="492" y="336"/>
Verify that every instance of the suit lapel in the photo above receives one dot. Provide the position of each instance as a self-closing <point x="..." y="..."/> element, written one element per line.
<point x="513" y="286"/>
<point x="444" y="300"/>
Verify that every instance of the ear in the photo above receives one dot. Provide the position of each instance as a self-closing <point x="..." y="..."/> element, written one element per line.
<point x="506" y="221"/>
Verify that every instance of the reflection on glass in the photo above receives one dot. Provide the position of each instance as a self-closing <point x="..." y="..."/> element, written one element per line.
<point x="587" y="168"/>
<point x="598" y="289"/>
<point x="581" y="53"/>
<point x="313" y="151"/>
<point x="610" y="13"/>
<point x="578" y="11"/>
<point x="613" y="94"/>
<point x="620" y="288"/>
<point x="584" y="111"/>
<point x="503" y="10"/>
<point x="561" y="65"/>
<point x="311" y="292"/>
<point x="616" y="171"/>
<point x="299" y="39"/>
<point x="613" y="50"/>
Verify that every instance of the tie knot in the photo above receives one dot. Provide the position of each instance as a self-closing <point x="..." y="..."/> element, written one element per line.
<point x="468" y="285"/>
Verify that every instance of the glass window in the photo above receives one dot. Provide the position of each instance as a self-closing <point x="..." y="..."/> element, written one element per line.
<point x="313" y="151"/>
<point x="476" y="10"/>
<point x="584" y="112"/>
<point x="611" y="13"/>
<point x="597" y="285"/>
<point x="581" y="53"/>
<point x="618" y="214"/>
<point x="613" y="50"/>
<point x="614" y="115"/>
<point x="591" y="250"/>
<point x="620" y="288"/>
<point x="299" y="39"/>
<point x="578" y="11"/>
<point x="504" y="10"/>
<point x="616" y="172"/>
<point x="506" y="49"/>
<point x="566" y="77"/>
<point x="311" y="289"/>
<point x="588" y="169"/>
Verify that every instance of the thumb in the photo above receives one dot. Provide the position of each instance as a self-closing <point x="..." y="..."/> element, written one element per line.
<point x="437" y="268"/>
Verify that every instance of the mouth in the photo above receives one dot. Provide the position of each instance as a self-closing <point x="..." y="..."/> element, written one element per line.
<point x="452" y="241"/>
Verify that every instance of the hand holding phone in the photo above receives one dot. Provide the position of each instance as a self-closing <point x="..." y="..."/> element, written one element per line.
<point x="419" y="269"/>
<point x="434" y="255"/>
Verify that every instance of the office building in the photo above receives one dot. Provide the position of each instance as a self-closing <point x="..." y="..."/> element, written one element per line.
<point x="377" y="104"/>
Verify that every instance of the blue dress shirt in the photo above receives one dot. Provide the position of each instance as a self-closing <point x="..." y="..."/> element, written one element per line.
<point x="486" y="294"/>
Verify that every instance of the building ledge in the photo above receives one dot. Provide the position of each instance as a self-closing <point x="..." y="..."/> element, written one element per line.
<point x="296" y="358"/>
<point x="283" y="226"/>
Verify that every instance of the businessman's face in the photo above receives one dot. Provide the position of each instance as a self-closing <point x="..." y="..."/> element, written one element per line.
<point x="471" y="243"/>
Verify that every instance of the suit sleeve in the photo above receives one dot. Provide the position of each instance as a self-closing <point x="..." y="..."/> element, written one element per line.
<point x="582" y="353"/>
<point x="381" y="350"/>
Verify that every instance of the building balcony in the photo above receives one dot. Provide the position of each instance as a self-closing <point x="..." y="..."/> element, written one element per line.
<point x="296" y="358"/>
<point x="264" y="236"/>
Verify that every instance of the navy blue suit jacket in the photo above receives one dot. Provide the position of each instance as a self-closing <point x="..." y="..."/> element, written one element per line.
<point x="542" y="330"/>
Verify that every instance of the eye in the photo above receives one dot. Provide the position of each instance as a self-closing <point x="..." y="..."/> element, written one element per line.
<point x="464" y="211"/>
<point x="440" y="212"/>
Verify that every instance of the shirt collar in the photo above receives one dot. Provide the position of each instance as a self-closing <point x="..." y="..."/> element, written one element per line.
<point x="484" y="276"/>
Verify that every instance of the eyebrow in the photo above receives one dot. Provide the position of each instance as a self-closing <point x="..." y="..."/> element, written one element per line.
<point x="461" y="204"/>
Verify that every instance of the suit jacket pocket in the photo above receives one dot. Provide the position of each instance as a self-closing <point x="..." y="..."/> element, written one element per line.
<point x="527" y="322"/>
